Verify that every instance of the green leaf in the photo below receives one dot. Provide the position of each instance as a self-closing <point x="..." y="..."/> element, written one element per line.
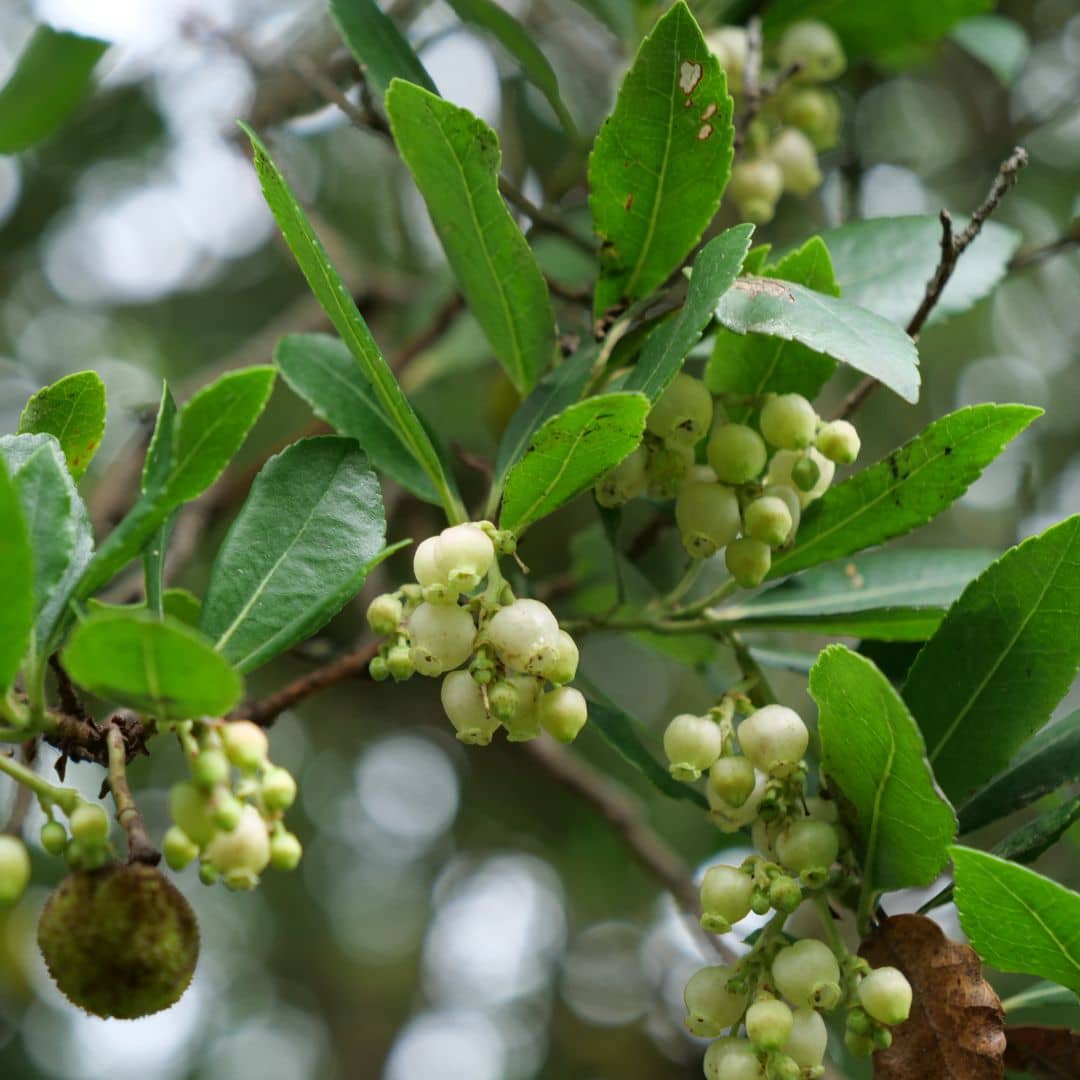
<point x="454" y="158"/>
<point x="896" y="34"/>
<point x="50" y="79"/>
<point x="1001" y="44"/>
<point x="211" y="427"/>
<point x="1035" y="838"/>
<point x="569" y="453"/>
<point x="715" y="269"/>
<point x="1016" y="919"/>
<point x="519" y="43"/>
<point x="837" y="328"/>
<point x="873" y="752"/>
<point x="661" y="161"/>
<point x="323" y="372"/>
<point x="1047" y="761"/>
<point x="621" y="732"/>
<point x="338" y="303"/>
<point x="61" y="537"/>
<point x="300" y="548"/>
<point x="884" y="264"/>
<point x="888" y="595"/>
<point x="16" y="581"/>
<point x="73" y="410"/>
<point x="1004" y="656"/>
<point x="375" y="40"/>
<point x="906" y="489"/>
<point x="557" y="390"/>
<point x="750" y="365"/>
<point x="163" y="668"/>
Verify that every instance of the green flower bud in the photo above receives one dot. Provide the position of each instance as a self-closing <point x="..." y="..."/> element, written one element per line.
<point x="732" y="1058"/>
<point x="788" y="422"/>
<point x="278" y="788"/>
<point x="882" y="1038"/>
<point x="692" y="744"/>
<point x="737" y="453"/>
<point x="285" y="850"/>
<point x="805" y="473"/>
<point x="808" y="847"/>
<point x="807" y="974"/>
<point x="563" y="666"/>
<point x="190" y="809"/>
<point x="858" y="1045"/>
<point x="243" y="853"/>
<point x="808" y="1040"/>
<point x="625" y="482"/>
<point x="886" y="995"/>
<point x="54" y="837"/>
<point x="667" y="469"/>
<point x="791" y="500"/>
<point x="378" y="669"/>
<point x="732" y="778"/>
<point x="711" y="1003"/>
<point x="813" y="111"/>
<point x="707" y="516"/>
<point x="384" y="614"/>
<point x="815" y="48"/>
<point x="839" y="442"/>
<point x="442" y="637"/>
<point x="399" y="662"/>
<point x="730" y="45"/>
<point x="774" y="738"/>
<point x="683" y="413"/>
<point x="785" y="894"/>
<point x="208" y="873"/>
<point x="225" y="809"/>
<point x="756" y="186"/>
<point x="525" y="723"/>
<point x="210" y="768"/>
<point x="748" y="561"/>
<point x="525" y="635"/>
<point x="178" y="848"/>
<point x="426" y="568"/>
<point x="563" y="713"/>
<point x="89" y="824"/>
<point x="768" y="1023"/>
<point x="728" y="818"/>
<point x="463" y="703"/>
<point x="14" y="869"/>
<point x="503" y="700"/>
<point x="726" y="894"/>
<point x="246" y="744"/>
<point x="768" y="519"/>
<point x="464" y="555"/>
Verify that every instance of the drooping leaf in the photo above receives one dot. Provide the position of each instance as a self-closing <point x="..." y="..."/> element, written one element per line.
<point x="51" y="77"/>
<point x="519" y="43"/>
<point x="621" y="733"/>
<point x="72" y="409"/>
<point x="1017" y="919"/>
<point x="301" y="546"/>
<point x="661" y="161"/>
<point x="338" y="304"/>
<point x="873" y="751"/>
<point x="375" y="40"/>
<point x="906" y="489"/>
<point x="883" y="264"/>
<point x="1000" y="43"/>
<point x="893" y="34"/>
<point x="569" y="453"/>
<point x="1004" y="656"/>
<point x="1047" y="1053"/>
<point x="454" y="159"/>
<point x="160" y="667"/>
<point x="750" y="365"/>
<point x="888" y="595"/>
<point x="1030" y="841"/>
<point x="558" y="390"/>
<point x="16" y="581"/>
<point x="837" y="328"/>
<point x="956" y="1027"/>
<point x="714" y="272"/>
<point x="1047" y="761"/>
<point x="322" y="371"/>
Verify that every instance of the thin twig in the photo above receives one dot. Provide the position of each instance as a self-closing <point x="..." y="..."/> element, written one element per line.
<point x="140" y="848"/>
<point x="1034" y="256"/>
<point x="953" y="245"/>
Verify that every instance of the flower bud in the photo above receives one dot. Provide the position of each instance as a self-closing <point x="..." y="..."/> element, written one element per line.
<point x="463" y="703"/>
<point x="563" y="713"/>
<point x="562" y="667"/>
<point x="788" y="422"/>
<point x="839" y="442"/>
<point x="426" y="568"/>
<point x="732" y="779"/>
<point x="464" y="555"/>
<point x="525" y="634"/>
<point x="790" y="498"/>
<point x="748" y="561"/>
<point x="667" y="469"/>
<point x="808" y="1040"/>
<point x="442" y="637"/>
<point x="246" y="744"/>
<point x="711" y="1003"/>
<point x="178" y="848"/>
<point x="730" y="45"/>
<point x="768" y="1023"/>
<point x="625" y="482"/>
<point x="225" y="809"/>
<point x="732" y="1058"/>
<point x="782" y="1067"/>
<point x="285" y="850"/>
<point x="886" y="995"/>
<point x="726" y="893"/>
<point x="14" y="869"/>
<point x="860" y="1046"/>
<point x="243" y="853"/>
<point x="692" y="744"/>
<point x="503" y="700"/>
<point x="210" y="768"/>
<point x="53" y="837"/>
<point x="808" y="847"/>
<point x="815" y="47"/>
<point x="683" y="412"/>
<point x="737" y="453"/>
<point x="807" y="974"/>
<point x="190" y="809"/>
<point x="208" y="874"/>
<point x="525" y="723"/>
<point x="728" y="818"/>
<point x="806" y="473"/>
<point x="774" y="738"/>
<point x="278" y="789"/>
<point x="814" y="111"/>
<point x="756" y="186"/>
<point x="384" y="614"/>
<point x="707" y="515"/>
<point x="768" y="519"/>
<point x="89" y="824"/>
<point x="785" y="893"/>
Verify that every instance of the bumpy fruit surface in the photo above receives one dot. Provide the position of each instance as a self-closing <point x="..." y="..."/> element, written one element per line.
<point x="768" y="1023"/>
<point x="692" y="744"/>
<point x="756" y="187"/>
<point x="442" y="637"/>
<point x="725" y="897"/>
<point x="794" y="153"/>
<point x="683" y="413"/>
<point x="748" y="561"/>
<point x="525" y="634"/>
<point x="808" y="1040"/>
<point x="839" y="442"/>
<point x="886" y="995"/>
<point x="807" y="974"/>
<point x="774" y="738"/>
<point x="711" y="1004"/>
<point x="243" y="853"/>
<point x="14" y="869"/>
<point x="119" y="942"/>
<point x="463" y="702"/>
<point x="815" y="48"/>
<point x="768" y="519"/>
<point x="732" y="1059"/>
<point x="563" y="713"/>
<point x="708" y="518"/>
<point x="788" y="422"/>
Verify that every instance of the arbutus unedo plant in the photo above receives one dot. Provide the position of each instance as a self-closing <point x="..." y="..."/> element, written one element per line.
<point x="678" y="430"/>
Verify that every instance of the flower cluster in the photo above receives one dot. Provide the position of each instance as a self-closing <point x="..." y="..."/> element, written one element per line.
<point x="229" y="814"/>
<point x="85" y="841"/>
<point x="793" y="124"/>
<point x="749" y="498"/>
<point x="461" y="612"/>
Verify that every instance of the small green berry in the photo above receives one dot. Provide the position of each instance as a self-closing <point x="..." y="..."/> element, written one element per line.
<point x="728" y="818"/>
<point x="399" y="663"/>
<point x="683" y="413"/>
<point x="563" y="665"/>
<point x="384" y="614"/>
<point x="732" y="1058"/>
<point x="814" y="111"/>
<point x="246" y="744"/>
<point x="808" y="847"/>
<point x="886" y="995"/>
<point x="210" y="768"/>
<point x="768" y="519"/>
<point x="53" y="837"/>
<point x="774" y="738"/>
<point x="756" y="186"/>
<point x="14" y="869"/>
<point x="815" y="47"/>
<point x="378" y="670"/>
<point x="225" y="809"/>
<point x="525" y="723"/>
<point x="563" y="713"/>
<point x="737" y="453"/>
<point x="285" y="850"/>
<point x="748" y="561"/>
<point x="768" y="1023"/>
<point x="785" y="893"/>
<point x="711" y="1003"/>
<point x="805" y="473"/>
<point x="732" y="778"/>
<point x="788" y="422"/>
<point x="807" y="974"/>
<point x="178" y="848"/>
<point x="708" y="518"/>
<point x="692" y="744"/>
<point x="860" y="1046"/>
<point x="726" y="894"/>
<point x="839" y="442"/>
<point x="89" y="824"/>
<point x="278" y="788"/>
<point x="208" y="873"/>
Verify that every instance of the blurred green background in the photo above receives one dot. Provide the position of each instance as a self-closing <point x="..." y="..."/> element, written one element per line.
<point x="456" y="916"/>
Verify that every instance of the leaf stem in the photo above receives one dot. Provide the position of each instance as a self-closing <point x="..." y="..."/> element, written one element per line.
<point x="66" y="798"/>
<point x="140" y="848"/>
<point x="722" y="592"/>
<point x="684" y="584"/>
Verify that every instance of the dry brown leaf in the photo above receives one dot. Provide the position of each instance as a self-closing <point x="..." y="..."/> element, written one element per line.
<point x="1048" y="1053"/>
<point x="956" y="1030"/>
